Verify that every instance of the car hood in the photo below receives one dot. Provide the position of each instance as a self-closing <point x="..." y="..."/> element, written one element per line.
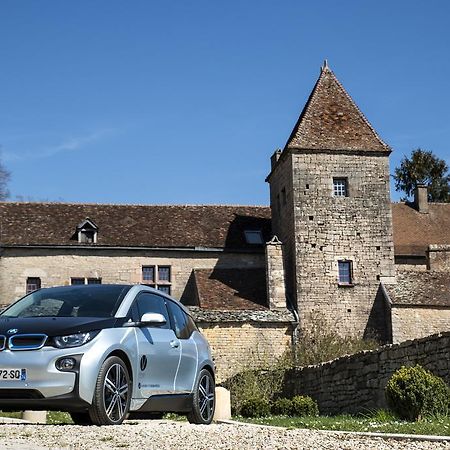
<point x="54" y="326"/>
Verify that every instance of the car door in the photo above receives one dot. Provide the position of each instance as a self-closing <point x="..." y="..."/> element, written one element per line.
<point x="187" y="370"/>
<point x="158" y="348"/>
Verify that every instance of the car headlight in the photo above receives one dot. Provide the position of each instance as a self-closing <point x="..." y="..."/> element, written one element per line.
<point x="74" y="340"/>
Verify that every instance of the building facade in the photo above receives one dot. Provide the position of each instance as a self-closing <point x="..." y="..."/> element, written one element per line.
<point x="331" y="243"/>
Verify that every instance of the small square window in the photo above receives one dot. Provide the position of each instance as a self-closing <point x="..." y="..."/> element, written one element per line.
<point x="148" y="274"/>
<point x="164" y="273"/>
<point x="33" y="284"/>
<point x="74" y="281"/>
<point x="94" y="281"/>
<point x="340" y="187"/>
<point x="345" y="272"/>
<point x="253" y="237"/>
<point x="164" y="288"/>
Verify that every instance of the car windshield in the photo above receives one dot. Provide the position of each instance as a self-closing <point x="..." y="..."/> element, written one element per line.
<point x="69" y="301"/>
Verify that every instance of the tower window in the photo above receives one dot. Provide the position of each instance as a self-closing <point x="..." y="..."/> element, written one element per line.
<point x="345" y="272"/>
<point x="33" y="284"/>
<point x="340" y="187"/>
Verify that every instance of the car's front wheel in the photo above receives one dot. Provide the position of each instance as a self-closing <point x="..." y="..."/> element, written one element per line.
<point x="112" y="393"/>
<point x="204" y="399"/>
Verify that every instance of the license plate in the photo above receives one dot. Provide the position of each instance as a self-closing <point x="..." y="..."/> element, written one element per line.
<point x="13" y="374"/>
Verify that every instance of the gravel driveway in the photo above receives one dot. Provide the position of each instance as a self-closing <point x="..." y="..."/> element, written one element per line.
<point x="163" y="434"/>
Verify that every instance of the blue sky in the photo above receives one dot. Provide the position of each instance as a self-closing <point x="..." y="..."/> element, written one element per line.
<point x="184" y="101"/>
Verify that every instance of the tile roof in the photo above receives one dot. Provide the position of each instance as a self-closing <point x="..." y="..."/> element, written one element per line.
<point x="189" y="226"/>
<point x="420" y="289"/>
<point x="231" y="289"/>
<point x="132" y="225"/>
<point x="331" y="120"/>
<point x="414" y="231"/>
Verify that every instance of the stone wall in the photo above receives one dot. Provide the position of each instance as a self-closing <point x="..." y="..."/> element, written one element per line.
<point x="411" y="322"/>
<point x="356" y="383"/>
<point x="246" y="339"/>
<point x="57" y="266"/>
<point x="356" y="228"/>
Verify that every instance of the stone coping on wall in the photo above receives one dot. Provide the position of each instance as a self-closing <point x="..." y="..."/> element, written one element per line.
<point x="380" y="350"/>
<point x="220" y="316"/>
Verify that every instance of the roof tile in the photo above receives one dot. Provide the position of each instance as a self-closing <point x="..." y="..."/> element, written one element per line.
<point x="131" y="225"/>
<point x="415" y="231"/>
<point x="231" y="289"/>
<point x="421" y="289"/>
<point x="331" y="120"/>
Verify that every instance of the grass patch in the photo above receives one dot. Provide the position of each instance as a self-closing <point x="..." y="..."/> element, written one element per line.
<point x="53" y="417"/>
<point x="379" y="422"/>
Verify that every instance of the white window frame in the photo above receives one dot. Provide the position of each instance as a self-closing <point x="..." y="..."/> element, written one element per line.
<point x="340" y="187"/>
<point x="85" y="280"/>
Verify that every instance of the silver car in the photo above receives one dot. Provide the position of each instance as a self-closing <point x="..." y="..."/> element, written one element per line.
<point x="103" y="353"/>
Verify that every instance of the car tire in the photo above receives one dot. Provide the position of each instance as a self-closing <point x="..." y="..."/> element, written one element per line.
<point x="81" y="418"/>
<point x="112" y="395"/>
<point x="204" y="399"/>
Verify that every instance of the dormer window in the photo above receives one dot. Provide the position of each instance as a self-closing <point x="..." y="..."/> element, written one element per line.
<point x="253" y="237"/>
<point x="87" y="232"/>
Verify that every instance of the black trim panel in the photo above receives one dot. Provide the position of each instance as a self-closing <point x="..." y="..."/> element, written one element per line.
<point x="67" y="402"/>
<point x="181" y="403"/>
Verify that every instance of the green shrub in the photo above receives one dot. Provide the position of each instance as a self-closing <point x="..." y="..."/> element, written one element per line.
<point x="414" y="392"/>
<point x="282" y="407"/>
<point x="255" y="407"/>
<point x="304" y="406"/>
<point x="261" y="377"/>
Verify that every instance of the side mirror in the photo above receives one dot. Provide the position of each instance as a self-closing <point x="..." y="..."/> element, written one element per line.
<point x="152" y="319"/>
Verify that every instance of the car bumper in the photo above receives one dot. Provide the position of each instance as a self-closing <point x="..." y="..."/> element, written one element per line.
<point x="45" y="387"/>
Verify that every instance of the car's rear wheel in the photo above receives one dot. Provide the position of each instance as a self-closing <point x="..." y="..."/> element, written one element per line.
<point x="204" y="399"/>
<point x="112" y="394"/>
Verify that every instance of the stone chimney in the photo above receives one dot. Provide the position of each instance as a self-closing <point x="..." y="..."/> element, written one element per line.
<point x="439" y="258"/>
<point x="421" y="198"/>
<point x="276" y="290"/>
<point x="275" y="157"/>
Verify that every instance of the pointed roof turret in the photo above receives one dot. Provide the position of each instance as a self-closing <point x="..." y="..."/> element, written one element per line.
<point x="331" y="120"/>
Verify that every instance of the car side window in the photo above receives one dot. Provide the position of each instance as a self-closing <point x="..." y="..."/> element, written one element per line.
<point x="191" y="325"/>
<point x="179" y="321"/>
<point x="152" y="303"/>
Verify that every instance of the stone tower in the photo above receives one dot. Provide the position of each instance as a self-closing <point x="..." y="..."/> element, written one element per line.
<point x="330" y="201"/>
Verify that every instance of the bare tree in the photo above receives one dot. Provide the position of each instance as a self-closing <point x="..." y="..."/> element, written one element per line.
<point x="4" y="179"/>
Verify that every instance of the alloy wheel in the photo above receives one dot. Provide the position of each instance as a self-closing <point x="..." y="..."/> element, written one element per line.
<point x="115" y="392"/>
<point x="206" y="397"/>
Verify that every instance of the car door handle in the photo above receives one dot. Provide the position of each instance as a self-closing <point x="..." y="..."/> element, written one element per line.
<point x="174" y="344"/>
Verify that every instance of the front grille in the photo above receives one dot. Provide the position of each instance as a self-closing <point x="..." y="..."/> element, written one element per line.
<point x="27" y="341"/>
<point x="2" y="342"/>
<point x="19" y="394"/>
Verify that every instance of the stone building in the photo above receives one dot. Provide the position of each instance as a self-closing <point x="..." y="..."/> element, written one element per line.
<point x="330" y="201"/>
<point x="331" y="243"/>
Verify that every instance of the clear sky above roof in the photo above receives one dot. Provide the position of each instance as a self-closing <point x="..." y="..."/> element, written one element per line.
<point x="185" y="101"/>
